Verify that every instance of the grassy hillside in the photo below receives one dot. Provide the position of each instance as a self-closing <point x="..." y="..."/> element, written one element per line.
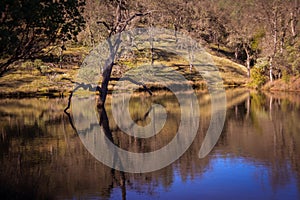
<point x="37" y="77"/>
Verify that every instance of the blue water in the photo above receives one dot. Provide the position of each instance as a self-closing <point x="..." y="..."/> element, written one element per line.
<point x="225" y="178"/>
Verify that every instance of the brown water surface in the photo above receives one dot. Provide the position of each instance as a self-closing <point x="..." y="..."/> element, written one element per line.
<point x="256" y="157"/>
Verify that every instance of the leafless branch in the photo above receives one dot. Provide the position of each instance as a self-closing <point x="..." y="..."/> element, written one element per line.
<point x="84" y="86"/>
<point x="105" y="24"/>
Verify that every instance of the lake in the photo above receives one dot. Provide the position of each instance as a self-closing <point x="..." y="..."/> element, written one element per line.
<point x="43" y="155"/>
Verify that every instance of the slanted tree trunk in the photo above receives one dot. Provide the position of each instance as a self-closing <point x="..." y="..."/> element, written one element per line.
<point x="4" y="66"/>
<point x="121" y="23"/>
<point x="104" y="85"/>
<point x="113" y="48"/>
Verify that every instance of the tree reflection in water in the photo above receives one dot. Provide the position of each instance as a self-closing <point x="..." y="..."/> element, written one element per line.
<point x="42" y="156"/>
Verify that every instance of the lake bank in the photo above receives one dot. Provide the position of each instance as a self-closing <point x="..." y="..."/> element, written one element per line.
<point x="292" y="84"/>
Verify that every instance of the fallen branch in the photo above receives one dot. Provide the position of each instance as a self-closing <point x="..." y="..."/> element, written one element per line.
<point x="98" y="88"/>
<point x="84" y="86"/>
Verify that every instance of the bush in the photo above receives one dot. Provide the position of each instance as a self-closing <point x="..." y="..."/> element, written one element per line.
<point x="285" y="76"/>
<point x="258" y="78"/>
<point x="258" y="74"/>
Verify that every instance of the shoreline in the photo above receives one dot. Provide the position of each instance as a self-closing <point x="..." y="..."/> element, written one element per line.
<point x="65" y="94"/>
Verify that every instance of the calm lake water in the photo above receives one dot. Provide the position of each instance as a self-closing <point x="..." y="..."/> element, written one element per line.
<point x="256" y="157"/>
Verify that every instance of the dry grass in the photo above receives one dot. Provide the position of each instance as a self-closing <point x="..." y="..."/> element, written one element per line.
<point x="39" y="78"/>
<point x="280" y="85"/>
<point x="232" y="73"/>
<point x="28" y="80"/>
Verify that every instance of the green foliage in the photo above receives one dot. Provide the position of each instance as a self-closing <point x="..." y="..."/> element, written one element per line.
<point x="258" y="78"/>
<point x="285" y="76"/>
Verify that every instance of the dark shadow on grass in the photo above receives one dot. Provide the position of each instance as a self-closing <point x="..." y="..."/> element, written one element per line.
<point x="235" y="70"/>
<point x="18" y="83"/>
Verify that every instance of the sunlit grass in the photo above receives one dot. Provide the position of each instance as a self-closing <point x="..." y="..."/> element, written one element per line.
<point x="43" y="78"/>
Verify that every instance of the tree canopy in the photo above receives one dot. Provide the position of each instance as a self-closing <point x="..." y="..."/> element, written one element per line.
<point x="29" y="26"/>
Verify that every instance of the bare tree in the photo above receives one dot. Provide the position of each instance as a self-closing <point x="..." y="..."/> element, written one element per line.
<point x="245" y="33"/>
<point x="277" y="17"/>
<point x="119" y="19"/>
<point x="123" y="18"/>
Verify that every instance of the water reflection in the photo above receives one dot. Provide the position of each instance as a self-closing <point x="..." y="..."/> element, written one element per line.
<point x="257" y="155"/>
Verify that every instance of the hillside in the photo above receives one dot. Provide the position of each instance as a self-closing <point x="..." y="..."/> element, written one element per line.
<point x="38" y="78"/>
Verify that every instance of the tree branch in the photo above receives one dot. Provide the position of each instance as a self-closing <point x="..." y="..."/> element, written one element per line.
<point x="105" y="24"/>
<point x="84" y="86"/>
<point x="127" y="21"/>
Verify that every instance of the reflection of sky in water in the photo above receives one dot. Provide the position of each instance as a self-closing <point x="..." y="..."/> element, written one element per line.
<point x="226" y="178"/>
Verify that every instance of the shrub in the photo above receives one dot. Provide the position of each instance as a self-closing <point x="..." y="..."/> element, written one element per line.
<point x="258" y="78"/>
<point x="285" y="76"/>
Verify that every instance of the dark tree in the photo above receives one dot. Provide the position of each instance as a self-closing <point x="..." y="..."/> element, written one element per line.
<point x="29" y="26"/>
<point x="121" y="17"/>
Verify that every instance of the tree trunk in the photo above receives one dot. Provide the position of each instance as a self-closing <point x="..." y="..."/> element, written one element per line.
<point x="109" y="63"/>
<point x="4" y="66"/>
<point x="295" y="18"/>
<point x="293" y="27"/>
<point x="282" y="43"/>
<point x="3" y="69"/>
<point x="236" y="53"/>
<point x="104" y="85"/>
<point x="175" y="32"/>
<point x="248" y="66"/>
<point x="271" y="69"/>
<point x="248" y="61"/>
